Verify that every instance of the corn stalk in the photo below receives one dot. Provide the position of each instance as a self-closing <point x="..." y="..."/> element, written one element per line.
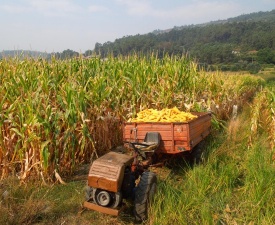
<point x="55" y="115"/>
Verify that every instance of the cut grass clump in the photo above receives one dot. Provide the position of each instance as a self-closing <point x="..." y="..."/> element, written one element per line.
<point x="33" y="203"/>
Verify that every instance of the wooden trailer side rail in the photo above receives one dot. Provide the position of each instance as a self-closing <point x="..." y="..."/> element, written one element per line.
<point x="175" y="137"/>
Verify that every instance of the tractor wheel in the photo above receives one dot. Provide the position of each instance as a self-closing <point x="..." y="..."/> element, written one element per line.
<point x="106" y="198"/>
<point x="144" y="193"/>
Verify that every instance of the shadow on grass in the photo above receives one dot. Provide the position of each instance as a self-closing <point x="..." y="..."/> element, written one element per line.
<point x="179" y="164"/>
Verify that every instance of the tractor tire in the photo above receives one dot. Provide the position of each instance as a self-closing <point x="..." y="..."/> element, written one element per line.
<point x="106" y="198"/>
<point x="144" y="193"/>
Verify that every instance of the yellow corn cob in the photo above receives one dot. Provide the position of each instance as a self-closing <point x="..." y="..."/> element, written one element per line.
<point x="164" y="115"/>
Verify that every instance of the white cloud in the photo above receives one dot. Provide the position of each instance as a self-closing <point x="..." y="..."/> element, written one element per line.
<point x="268" y="1"/>
<point x="196" y="11"/>
<point x="199" y="9"/>
<point x="54" y="7"/>
<point x="141" y="7"/>
<point x="45" y="7"/>
<point x="14" y="8"/>
<point x="97" y="8"/>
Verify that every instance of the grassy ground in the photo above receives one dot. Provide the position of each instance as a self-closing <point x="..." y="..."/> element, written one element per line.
<point x="268" y="74"/>
<point x="234" y="184"/>
<point x="33" y="203"/>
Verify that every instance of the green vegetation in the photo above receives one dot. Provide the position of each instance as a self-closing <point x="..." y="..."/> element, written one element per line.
<point x="242" y="43"/>
<point x="233" y="185"/>
<point x="56" y="115"/>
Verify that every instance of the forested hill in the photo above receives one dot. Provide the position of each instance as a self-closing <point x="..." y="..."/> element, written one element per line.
<point x="223" y="41"/>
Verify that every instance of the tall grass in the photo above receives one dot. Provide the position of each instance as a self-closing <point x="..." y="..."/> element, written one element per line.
<point x="234" y="185"/>
<point x="56" y="114"/>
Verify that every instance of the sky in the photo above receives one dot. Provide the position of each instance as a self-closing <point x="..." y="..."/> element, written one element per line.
<point x="57" y="25"/>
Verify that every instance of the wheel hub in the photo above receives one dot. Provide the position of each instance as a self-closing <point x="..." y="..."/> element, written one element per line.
<point x="103" y="198"/>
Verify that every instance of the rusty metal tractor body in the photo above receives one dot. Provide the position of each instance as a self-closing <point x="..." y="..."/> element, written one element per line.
<point x="110" y="179"/>
<point x="113" y="177"/>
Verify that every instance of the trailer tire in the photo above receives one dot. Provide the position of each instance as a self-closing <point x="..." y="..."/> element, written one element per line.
<point x="144" y="193"/>
<point x="197" y="153"/>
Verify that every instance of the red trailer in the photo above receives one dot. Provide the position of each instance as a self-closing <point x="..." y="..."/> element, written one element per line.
<point x="175" y="137"/>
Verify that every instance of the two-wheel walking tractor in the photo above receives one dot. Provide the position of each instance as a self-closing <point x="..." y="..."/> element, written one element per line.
<point x="116" y="176"/>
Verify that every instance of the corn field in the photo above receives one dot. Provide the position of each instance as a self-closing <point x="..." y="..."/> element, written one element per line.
<point x="263" y="116"/>
<point x="55" y="115"/>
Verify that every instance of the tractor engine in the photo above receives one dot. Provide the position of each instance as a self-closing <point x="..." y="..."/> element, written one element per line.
<point x="110" y="180"/>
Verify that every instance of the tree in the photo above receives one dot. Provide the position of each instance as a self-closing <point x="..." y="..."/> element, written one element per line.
<point x="253" y="68"/>
<point x="266" y="55"/>
<point x="88" y="53"/>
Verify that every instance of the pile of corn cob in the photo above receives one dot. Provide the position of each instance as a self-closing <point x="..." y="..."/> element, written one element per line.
<point x="164" y="115"/>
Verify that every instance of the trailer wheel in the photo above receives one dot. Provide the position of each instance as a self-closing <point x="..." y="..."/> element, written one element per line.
<point x="144" y="193"/>
<point x="197" y="153"/>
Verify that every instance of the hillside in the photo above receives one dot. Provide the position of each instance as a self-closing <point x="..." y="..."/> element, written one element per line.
<point x="224" y="41"/>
